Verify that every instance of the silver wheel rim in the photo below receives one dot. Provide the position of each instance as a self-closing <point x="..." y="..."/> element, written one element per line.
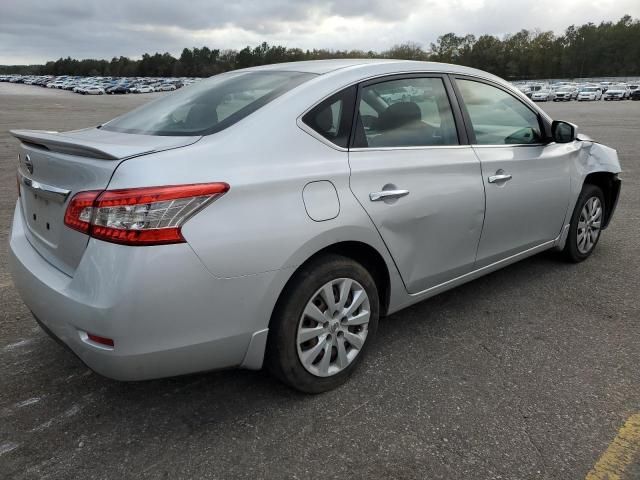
<point x="333" y="327"/>
<point x="589" y="225"/>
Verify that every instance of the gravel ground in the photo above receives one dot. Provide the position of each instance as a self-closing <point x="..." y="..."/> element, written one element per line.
<point x="526" y="373"/>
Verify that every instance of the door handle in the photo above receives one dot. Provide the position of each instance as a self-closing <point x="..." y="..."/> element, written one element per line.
<point x="499" y="178"/>
<point x="384" y="194"/>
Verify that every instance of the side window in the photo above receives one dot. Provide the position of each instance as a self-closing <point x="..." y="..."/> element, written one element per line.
<point x="411" y="112"/>
<point x="497" y="117"/>
<point x="332" y="117"/>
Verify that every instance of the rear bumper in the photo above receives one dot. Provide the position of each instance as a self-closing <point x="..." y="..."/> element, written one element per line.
<point x="165" y="312"/>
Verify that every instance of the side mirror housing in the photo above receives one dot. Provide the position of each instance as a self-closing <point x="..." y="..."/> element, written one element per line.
<point x="563" y="132"/>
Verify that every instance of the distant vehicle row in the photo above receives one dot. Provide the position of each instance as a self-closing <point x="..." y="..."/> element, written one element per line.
<point x="566" y="91"/>
<point x="102" y="85"/>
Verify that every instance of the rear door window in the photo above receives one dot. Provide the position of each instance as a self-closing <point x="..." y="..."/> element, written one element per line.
<point x="410" y="112"/>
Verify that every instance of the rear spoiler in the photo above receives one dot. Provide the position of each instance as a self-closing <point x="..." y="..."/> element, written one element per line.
<point x="58" y="142"/>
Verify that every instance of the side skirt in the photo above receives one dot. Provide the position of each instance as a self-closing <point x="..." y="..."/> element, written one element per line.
<point x="467" y="277"/>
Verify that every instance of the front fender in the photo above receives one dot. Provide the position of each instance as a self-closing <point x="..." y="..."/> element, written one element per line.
<point x="592" y="157"/>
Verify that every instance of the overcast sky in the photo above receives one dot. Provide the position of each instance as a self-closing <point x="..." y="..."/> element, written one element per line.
<point x="33" y="31"/>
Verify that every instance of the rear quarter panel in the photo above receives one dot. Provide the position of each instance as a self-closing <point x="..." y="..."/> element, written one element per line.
<point x="261" y="224"/>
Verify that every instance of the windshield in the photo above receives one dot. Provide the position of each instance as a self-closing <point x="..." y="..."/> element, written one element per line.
<point x="208" y="106"/>
<point x="590" y="89"/>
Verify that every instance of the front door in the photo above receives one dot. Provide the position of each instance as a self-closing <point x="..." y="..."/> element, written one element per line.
<point x="526" y="179"/>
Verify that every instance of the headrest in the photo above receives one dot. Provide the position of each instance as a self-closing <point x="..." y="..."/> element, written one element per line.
<point x="201" y="116"/>
<point x="399" y="114"/>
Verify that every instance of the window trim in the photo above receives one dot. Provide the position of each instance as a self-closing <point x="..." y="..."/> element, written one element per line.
<point x="348" y="108"/>
<point x="545" y="126"/>
<point x="453" y="102"/>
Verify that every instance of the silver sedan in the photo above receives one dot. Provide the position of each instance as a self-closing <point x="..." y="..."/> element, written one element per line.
<point x="270" y="216"/>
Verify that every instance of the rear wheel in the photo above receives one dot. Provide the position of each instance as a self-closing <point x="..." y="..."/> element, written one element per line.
<point x="323" y="324"/>
<point x="586" y="224"/>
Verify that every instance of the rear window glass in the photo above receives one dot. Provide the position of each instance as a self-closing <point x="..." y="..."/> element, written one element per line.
<point x="208" y="106"/>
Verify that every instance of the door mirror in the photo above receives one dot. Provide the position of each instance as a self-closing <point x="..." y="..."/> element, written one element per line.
<point x="563" y="132"/>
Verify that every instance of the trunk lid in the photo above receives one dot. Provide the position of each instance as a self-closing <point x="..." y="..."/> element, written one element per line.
<point x="55" y="166"/>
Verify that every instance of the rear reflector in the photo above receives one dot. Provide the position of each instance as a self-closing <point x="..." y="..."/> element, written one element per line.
<point x="140" y="216"/>
<point x="101" y="340"/>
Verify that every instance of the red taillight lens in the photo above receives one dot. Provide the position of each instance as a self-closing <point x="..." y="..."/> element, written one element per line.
<point x="80" y="210"/>
<point x="140" y="216"/>
<point x="101" y="340"/>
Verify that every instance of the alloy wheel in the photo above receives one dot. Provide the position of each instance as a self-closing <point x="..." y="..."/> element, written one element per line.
<point x="589" y="225"/>
<point x="333" y="327"/>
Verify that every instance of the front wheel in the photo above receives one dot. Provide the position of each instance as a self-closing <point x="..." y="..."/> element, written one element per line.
<point x="323" y="324"/>
<point x="586" y="224"/>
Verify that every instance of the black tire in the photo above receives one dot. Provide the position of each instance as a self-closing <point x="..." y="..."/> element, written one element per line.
<point x="571" y="251"/>
<point x="281" y="357"/>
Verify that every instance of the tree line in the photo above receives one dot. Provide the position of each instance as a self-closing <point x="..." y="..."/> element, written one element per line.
<point x="589" y="50"/>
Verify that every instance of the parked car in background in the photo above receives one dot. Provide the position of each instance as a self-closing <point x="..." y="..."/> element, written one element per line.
<point x="589" y="94"/>
<point x="93" y="90"/>
<point x="566" y="94"/>
<point x="109" y="84"/>
<point x="545" y="95"/>
<point x="143" y="89"/>
<point x="635" y="95"/>
<point x="117" y="89"/>
<point x="289" y="247"/>
<point x="617" y="92"/>
<point x="531" y="88"/>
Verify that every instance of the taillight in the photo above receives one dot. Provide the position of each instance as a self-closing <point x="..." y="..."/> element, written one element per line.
<point x="139" y="216"/>
<point x="80" y="210"/>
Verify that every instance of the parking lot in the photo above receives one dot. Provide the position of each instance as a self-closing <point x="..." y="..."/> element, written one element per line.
<point x="529" y="372"/>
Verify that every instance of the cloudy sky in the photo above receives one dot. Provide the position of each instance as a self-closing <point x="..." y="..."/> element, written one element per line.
<point x="33" y="31"/>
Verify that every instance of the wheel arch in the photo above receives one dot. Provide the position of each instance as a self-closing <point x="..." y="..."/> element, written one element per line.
<point x="364" y="254"/>
<point x="609" y="183"/>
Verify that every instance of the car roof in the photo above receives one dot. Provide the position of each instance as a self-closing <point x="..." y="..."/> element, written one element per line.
<point x="321" y="67"/>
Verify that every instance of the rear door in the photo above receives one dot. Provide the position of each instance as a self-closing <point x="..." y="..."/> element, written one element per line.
<point x="417" y="178"/>
<point x="526" y="178"/>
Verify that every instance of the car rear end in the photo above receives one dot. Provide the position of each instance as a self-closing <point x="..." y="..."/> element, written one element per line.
<point x="97" y="247"/>
<point x="97" y="266"/>
<point x="109" y="273"/>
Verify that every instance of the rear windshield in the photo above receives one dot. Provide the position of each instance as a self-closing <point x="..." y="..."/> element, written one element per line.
<point x="208" y="106"/>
